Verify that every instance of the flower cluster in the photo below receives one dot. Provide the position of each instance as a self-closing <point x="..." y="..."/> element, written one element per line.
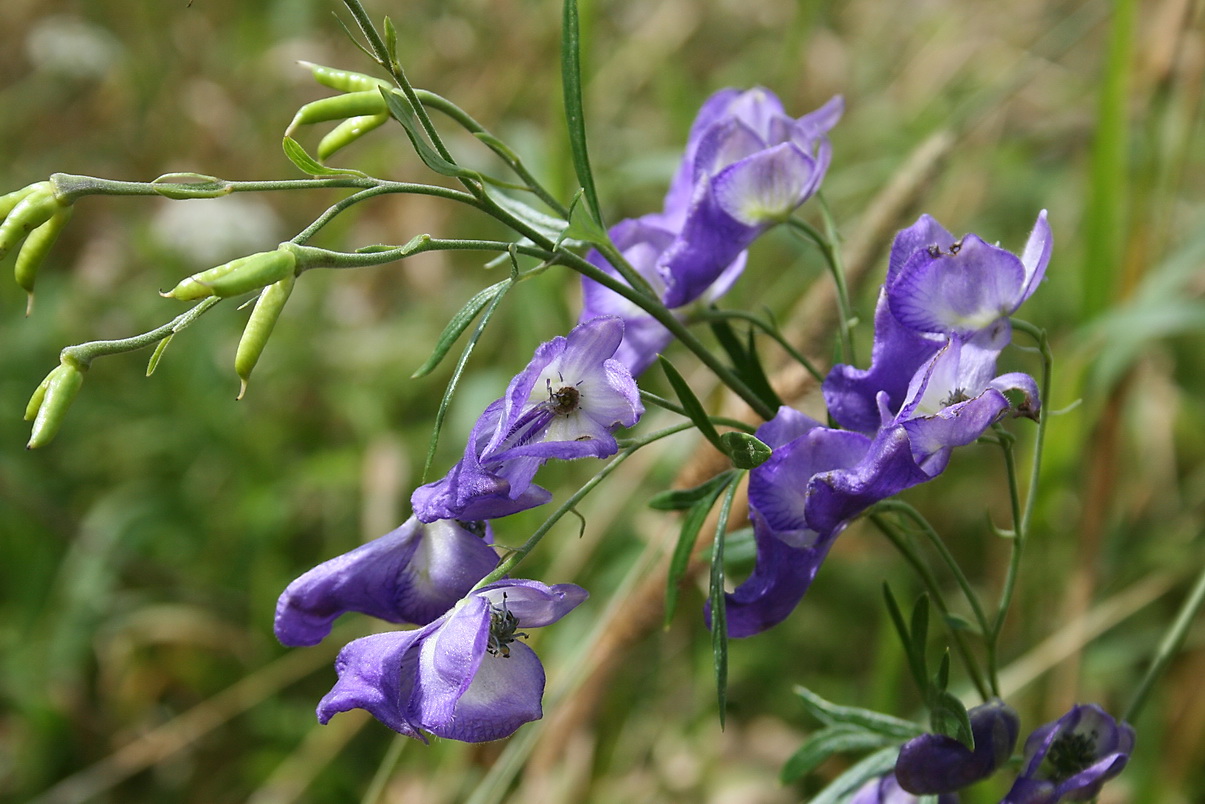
<point x="1069" y="759"/>
<point x="940" y="324"/>
<point x="747" y="166"/>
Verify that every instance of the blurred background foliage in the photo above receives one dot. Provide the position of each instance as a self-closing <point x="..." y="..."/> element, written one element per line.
<point x="142" y="553"/>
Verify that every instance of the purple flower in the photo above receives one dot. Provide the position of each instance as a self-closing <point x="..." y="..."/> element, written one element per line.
<point x="936" y="288"/>
<point x="641" y="241"/>
<point x="886" y="790"/>
<point x="934" y="763"/>
<point x="747" y="166"/>
<point x="1071" y="758"/>
<point x="814" y="483"/>
<point x="464" y="676"/>
<point x="565" y="405"/>
<point x="410" y="575"/>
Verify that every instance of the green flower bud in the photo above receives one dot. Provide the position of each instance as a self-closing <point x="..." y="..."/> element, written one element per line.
<point x="348" y="132"/>
<point x="259" y="328"/>
<point x="344" y="80"/>
<point x="50" y="401"/>
<point x="339" y="107"/>
<point x="34" y="251"/>
<point x="30" y="207"/>
<point x="237" y="276"/>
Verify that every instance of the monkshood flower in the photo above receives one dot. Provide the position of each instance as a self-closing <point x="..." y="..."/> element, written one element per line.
<point x="935" y="763"/>
<point x="936" y="287"/>
<point x="1071" y="758"/>
<point x="641" y="241"/>
<point x="412" y="574"/>
<point x="566" y="404"/>
<point x="747" y="167"/>
<point x="886" y="790"/>
<point x="814" y="483"/>
<point x="464" y="676"/>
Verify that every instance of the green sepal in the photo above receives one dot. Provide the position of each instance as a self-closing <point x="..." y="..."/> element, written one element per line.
<point x="831" y="714"/>
<point x="690" y="403"/>
<point x="391" y="40"/>
<point x="183" y="186"/>
<point x="308" y="164"/>
<point x="401" y="110"/>
<point x="837" y="739"/>
<point x="691" y="525"/>
<point x="957" y="623"/>
<point x="744" y="450"/>
<point x="682" y="499"/>
<point x="456" y="327"/>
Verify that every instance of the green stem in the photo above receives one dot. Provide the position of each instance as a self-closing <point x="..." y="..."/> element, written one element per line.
<point x="508" y="156"/>
<point x="674" y="407"/>
<point x="713" y="314"/>
<point x="1168" y="648"/>
<point x="310" y="257"/>
<point x="827" y="243"/>
<point x="518" y="554"/>
<point x="1022" y="514"/>
<point x="71" y="186"/>
<point x="901" y="507"/>
<point x="910" y="555"/>
<point x="83" y="354"/>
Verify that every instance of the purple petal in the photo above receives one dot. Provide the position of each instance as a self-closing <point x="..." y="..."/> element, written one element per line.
<point x="766" y="187"/>
<point x="787" y="425"/>
<point x="448" y="659"/>
<point x="412" y="574"/>
<point x="886" y="790"/>
<point x="780" y="488"/>
<point x="779" y="581"/>
<point x="918" y="237"/>
<point x="887" y="469"/>
<point x="534" y="604"/>
<point x="504" y="694"/>
<point x="1036" y="256"/>
<point x="1072" y="757"/>
<point x="960" y="292"/>
<point x="934" y="763"/>
<point x="377" y="673"/>
<point x="897" y="354"/>
<point x="709" y="241"/>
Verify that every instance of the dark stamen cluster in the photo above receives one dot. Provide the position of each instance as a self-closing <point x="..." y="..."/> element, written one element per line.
<point x="503" y="630"/>
<point x="1070" y="754"/>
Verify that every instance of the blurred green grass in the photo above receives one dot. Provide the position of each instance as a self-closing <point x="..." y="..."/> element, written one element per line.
<point x="141" y="554"/>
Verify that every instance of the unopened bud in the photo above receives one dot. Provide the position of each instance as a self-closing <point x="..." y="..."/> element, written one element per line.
<point x="237" y="277"/>
<point x="33" y="251"/>
<point x="259" y="328"/>
<point x="50" y="401"/>
<point x="340" y="107"/>
<point x="25" y="210"/>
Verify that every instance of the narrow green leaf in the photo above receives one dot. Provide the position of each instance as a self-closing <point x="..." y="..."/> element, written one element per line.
<point x="920" y="637"/>
<point x="308" y="164"/>
<point x="403" y="112"/>
<point x="459" y="370"/>
<point x="745" y="362"/>
<point x="160" y="347"/>
<point x="571" y="82"/>
<point x="833" y="714"/>
<point x="838" y="739"/>
<point x="941" y="679"/>
<point x="719" y="617"/>
<point x="948" y="716"/>
<point x="962" y="624"/>
<point x="916" y="663"/>
<point x="681" y="499"/>
<point x="874" y="765"/>
<point x="691" y="525"/>
<point x="459" y="323"/>
<point x="550" y="226"/>
<point x="745" y="450"/>
<point x="690" y="403"/>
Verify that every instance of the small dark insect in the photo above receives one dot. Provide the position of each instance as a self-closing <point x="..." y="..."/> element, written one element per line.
<point x="503" y="625"/>
<point x="956" y="247"/>
<point x="564" y="400"/>
<point x="935" y="251"/>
